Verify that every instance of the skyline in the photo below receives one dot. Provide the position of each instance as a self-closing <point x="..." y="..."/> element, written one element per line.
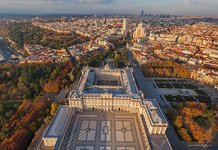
<point x="108" y="74"/>
<point x="173" y="7"/>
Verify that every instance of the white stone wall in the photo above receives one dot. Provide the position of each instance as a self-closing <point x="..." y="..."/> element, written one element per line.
<point x="50" y="142"/>
<point x="108" y="103"/>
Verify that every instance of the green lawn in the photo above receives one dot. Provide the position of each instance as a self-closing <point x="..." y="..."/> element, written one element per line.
<point x="164" y="85"/>
<point x="189" y="98"/>
<point x="201" y="92"/>
<point x="189" y="86"/>
<point x="177" y="98"/>
<point x="177" y="85"/>
<point x="202" y="121"/>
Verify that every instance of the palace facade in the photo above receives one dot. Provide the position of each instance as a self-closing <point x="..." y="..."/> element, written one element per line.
<point x="106" y="89"/>
<point x="109" y="90"/>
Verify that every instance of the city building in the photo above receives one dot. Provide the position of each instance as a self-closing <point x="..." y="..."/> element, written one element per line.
<point x="142" y="13"/>
<point x="107" y="96"/>
<point x="139" y="32"/>
<point x="205" y="77"/>
<point x="124" y="29"/>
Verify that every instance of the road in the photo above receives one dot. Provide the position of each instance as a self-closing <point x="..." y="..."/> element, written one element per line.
<point x="146" y="86"/>
<point x="6" y="52"/>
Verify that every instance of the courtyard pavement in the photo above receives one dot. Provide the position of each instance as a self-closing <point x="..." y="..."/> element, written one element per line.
<point x="105" y="131"/>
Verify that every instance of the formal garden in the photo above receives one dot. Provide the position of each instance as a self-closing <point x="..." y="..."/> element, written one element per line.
<point x="188" y="91"/>
<point x="194" y="122"/>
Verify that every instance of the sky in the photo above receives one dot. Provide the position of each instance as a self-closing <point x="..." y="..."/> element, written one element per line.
<point x="174" y="7"/>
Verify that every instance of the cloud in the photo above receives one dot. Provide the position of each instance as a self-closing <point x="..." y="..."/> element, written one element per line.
<point x="83" y="1"/>
<point x="54" y="2"/>
<point x="187" y="7"/>
<point x="200" y="1"/>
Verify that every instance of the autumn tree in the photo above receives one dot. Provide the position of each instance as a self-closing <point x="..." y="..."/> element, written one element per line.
<point x="19" y="140"/>
<point x="184" y="134"/>
<point x="201" y="135"/>
<point x="54" y="108"/>
<point x="178" y="122"/>
<point x="166" y="68"/>
<point x="20" y="128"/>
<point x="33" y="127"/>
<point x="26" y="81"/>
<point x="186" y="122"/>
<point x="52" y="86"/>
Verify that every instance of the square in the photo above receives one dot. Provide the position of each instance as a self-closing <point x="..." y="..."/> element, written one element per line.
<point x="82" y="135"/>
<point x="128" y="136"/>
<point x="106" y="133"/>
<point x="109" y="125"/>
<point x="119" y="136"/>
<point x="89" y="147"/>
<point x="108" y="136"/>
<point x="91" y="135"/>
<point x="121" y="148"/>
<point x="93" y="125"/>
<point x="102" y="136"/>
<point x="103" y="124"/>
<point x="80" y="147"/>
<point x="85" y="124"/>
<point x="119" y="125"/>
<point x="127" y="125"/>
<point x="105" y="148"/>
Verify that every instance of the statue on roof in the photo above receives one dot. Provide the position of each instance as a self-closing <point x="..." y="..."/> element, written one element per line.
<point x="109" y="64"/>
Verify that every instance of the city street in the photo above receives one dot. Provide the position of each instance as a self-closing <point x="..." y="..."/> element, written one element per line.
<point x="146" y="86"/>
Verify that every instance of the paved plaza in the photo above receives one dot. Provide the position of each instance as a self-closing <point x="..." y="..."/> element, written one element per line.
<point x="105" y="131"/>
